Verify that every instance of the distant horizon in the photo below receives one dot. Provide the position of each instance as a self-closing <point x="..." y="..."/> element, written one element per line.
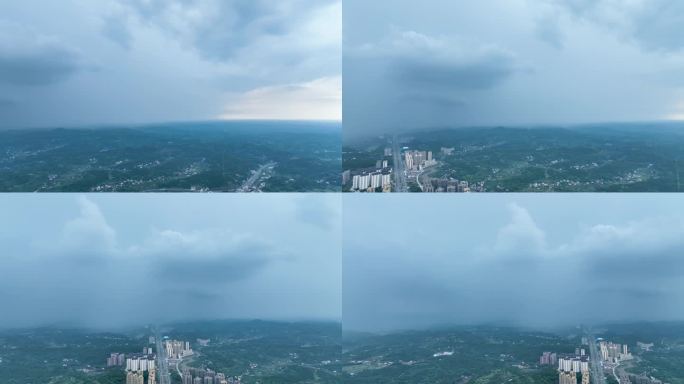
<point x="518" y="326"/>
<point x="124" y="327"/>
<point x="85" y="126"/>
<point x="433" y="128"/>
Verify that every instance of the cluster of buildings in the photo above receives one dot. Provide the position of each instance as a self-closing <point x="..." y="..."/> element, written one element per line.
<point x="116" y="360"/>
<point x="447" y="151"/>
<point x="141" y="362"/>
<point x="206" y="376"/>
<point x="548" y="358"/>
<point x="372" y="181"/>
<point x="451" y="185"/>
<point x="139" y="377"/>
<point x="416" y="160"/>
<point x="572" y="369"/>
<point x="176" y="349"/>
<point x="140" y="367"/>
<point x="612" y="352"/>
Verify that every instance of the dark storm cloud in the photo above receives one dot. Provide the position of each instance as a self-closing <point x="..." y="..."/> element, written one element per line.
<point x="433" y="99"/>
<point x="414" y="75"/>
<point x="235" y="260"/>
<point x="227" y="26"/>
<point x="28" y="58"/>
<point x="162" y="61"/>
<point x="540" y="262"/>
<point x="487" y="72"/>
<point x="129" y="260"/>
<point x="510" y="62"/>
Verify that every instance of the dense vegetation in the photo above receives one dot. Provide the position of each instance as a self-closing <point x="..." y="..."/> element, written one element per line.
<point x="259" y="351"/>
<point x="480" y="355"/>
<point x="216" y="156"/>
<point x="618" y="157"/>
<point x="267" y="352"/>
<point x="63" y="356"/>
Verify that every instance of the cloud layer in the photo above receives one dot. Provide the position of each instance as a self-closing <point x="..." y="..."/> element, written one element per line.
<point x="524" y="261"/>
<point x="411" y="65"/>
<point x="108" y="262"/>
<point x="167" y="60"/>
<point x="28" y="58"/>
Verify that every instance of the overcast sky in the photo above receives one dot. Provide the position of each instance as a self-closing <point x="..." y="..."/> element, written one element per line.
<point x="76" y="62"/>
<point x="540" y="260"/>
<point x="416" y="64"/>
<point x="131" y="259"/>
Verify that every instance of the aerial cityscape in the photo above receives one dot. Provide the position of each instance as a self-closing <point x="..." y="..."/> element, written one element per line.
<point x="342" y="192"/>
<point x="563" y="96"/>
<point x="243" y="156"/>
<point x="121" y="289"/>
<point x="499" y="354"/>
<point x="519" y="288"/>
<point x="233" y="352"/>
<point x="170" y="96"/>
<point x="593" y="158"/>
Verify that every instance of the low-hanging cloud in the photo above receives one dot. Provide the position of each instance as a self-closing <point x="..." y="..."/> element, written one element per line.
<point x="519" y="274"/>
<point x="415" y="72"/>
<point x="85" y="268"/>
<point x="33" y="59"/>
<point x="419" y="66"/>
<point x="206" y="257"/>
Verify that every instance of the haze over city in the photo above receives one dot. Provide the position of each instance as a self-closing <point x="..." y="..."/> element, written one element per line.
<point x="73" y="63"/>
<point x="531" y="260"/>
<point x="499" y="62"/>
<point x="102" y="261"/>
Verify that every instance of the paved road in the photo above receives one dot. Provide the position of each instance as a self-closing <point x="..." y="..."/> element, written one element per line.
<point x="595" y="362"/>
<point x="399" y="172"/>
<point x="178" y="368"/>
<point x="248" y="185"/>
<point x="164" y="377"/>
<point x="615" y="373"/>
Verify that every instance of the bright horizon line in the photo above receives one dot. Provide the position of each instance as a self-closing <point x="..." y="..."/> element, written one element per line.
<point x="152" y="123"/>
